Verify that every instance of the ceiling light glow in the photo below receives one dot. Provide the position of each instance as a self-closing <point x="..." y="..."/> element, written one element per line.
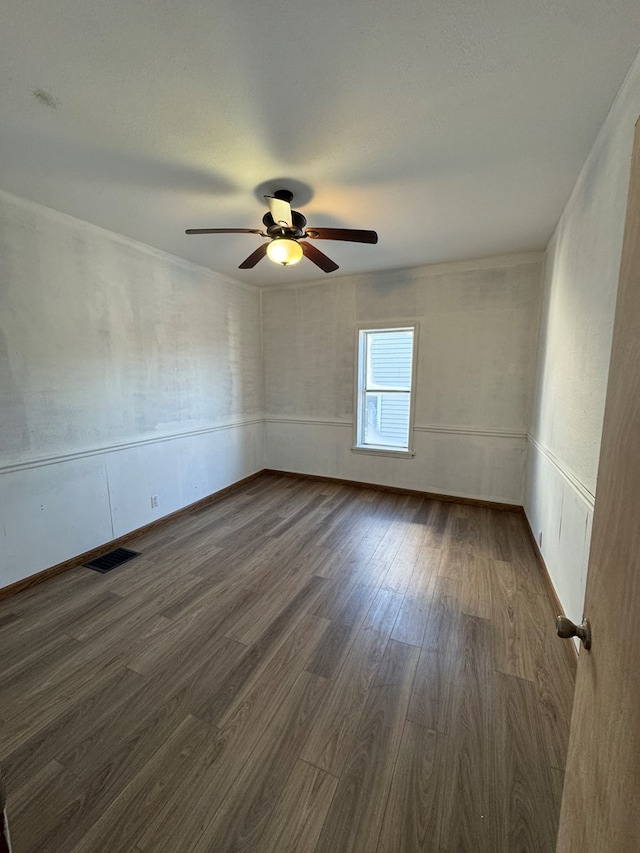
<point x="284" y="251"/>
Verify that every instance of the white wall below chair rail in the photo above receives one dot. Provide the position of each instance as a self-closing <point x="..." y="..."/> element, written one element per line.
<point x="53" y="512"/>
<point x="478" y="464"/>
<point x="561" y="524"/>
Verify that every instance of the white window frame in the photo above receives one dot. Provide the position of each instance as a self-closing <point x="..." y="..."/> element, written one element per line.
<point x="359" y="404"/>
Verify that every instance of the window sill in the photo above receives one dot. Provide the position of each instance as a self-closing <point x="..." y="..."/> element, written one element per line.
<point x="382" y="451"/>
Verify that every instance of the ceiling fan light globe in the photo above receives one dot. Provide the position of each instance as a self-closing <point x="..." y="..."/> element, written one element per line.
<point x="284" y="251"/>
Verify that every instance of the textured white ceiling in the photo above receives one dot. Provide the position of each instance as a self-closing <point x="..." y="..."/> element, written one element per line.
<point x="455" y="128"/>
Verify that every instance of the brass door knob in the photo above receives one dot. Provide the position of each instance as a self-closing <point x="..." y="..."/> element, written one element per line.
<point x="566" y="629"/>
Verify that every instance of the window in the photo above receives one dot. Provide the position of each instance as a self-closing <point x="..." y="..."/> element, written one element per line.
<point x="385" y="362"/>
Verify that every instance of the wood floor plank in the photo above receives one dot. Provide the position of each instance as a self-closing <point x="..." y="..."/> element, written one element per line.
<point x="354" y="820"/>
<point x="355" y="604"/>
<point x="58" y="687"/>
<point x="79" y="723"/>
<point x="25" y="674"/>
<point x="35" y="632"/>
<point x="294" y="517"/>
<point x="348" y="558"/>
<point x="257" y="618"/>
<point x="526" y="823"/>
<point x="220" y="601"/>
<point x="433" y="689"/>
<point x="241" y="730"/>
<point x="48" y="707"/>
<point x="250" y="682"/>
<point x="8" y="623"/>
<point x="337" y="723"/>
<point x="161" y="595"/>
<point x="514" y="643"/>
<point x="330" y="653"/>
<point x="145" y="727"/>
<point x="435" y="514"/>
<point x="145" y="715"/>
<point x="412" y="816"/>
<point x="191" y="802"/>
<point x="353" y="514"/>
<point x="296" y="821"/>
<point x="251" y="663"/>
<point x="464" y="531"/>
<point x="390" y="546"/>
<point x="245" y="812"/>
<point x="53" y="598"/>
<point x="476" y="588"/>
<point x="497" y="535"/>
<point x="268" y="685"/>
<point x="120" y="823"/>
<point x="81" y="666"/>
<point x="112" y="608"/>
<point x="267" y="565"/>
<point x="37" y="807"/>
<point x="528" y="571"/>
<point x="412" y="538"/>
<point x="452" y="560"/>
<point x="470" y="797"/>
<point x="383" y="613"/>
<point x="411" y="623"/>
<point x="557" y="777"/>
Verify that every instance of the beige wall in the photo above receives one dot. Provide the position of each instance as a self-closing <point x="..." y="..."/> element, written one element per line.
<point x="578" y="303"/>
<point x="476" y="351"/>
<point x="124" y="373"/>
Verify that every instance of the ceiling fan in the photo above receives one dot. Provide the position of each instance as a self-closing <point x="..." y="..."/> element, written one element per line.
<point x="287" y="232"/>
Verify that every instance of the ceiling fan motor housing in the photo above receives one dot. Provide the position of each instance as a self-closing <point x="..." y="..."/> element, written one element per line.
<point x="276" y="230"/>
<point x="284" y="195"/>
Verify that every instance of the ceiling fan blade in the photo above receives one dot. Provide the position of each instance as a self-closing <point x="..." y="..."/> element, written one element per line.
<point x="350" y="235"/>
<point x="222" y="231"/>
<point x="318" y="258"/>
<point x="280" y="210"/>
<point x="254" y="257"/>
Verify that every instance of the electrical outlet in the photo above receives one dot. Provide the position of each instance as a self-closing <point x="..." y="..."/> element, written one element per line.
<point x="154" y="501"/>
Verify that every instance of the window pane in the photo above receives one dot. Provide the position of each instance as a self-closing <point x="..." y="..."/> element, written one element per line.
<point x="389" y="360"/>
<point x="387" y="419"/>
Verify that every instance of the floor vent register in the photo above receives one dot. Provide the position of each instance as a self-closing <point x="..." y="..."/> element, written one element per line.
<point x="112" y="560"/>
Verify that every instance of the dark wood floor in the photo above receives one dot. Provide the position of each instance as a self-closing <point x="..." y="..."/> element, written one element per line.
<point x="301" y="666"/>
